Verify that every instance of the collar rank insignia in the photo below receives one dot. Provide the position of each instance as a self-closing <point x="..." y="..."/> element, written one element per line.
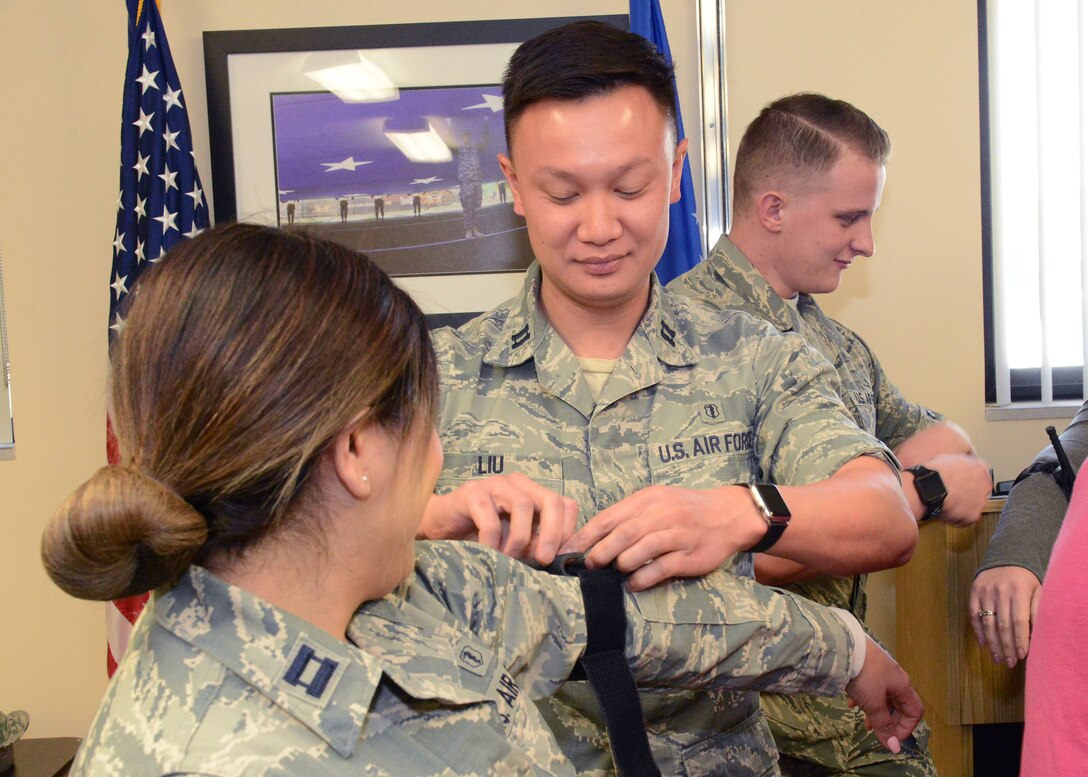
<point x="668" y="334"/>
<point x="310" y="672"/>
<point x="520" y="337"/>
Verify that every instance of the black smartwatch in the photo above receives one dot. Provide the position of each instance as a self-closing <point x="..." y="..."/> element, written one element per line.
<point x="930" y="490"/>
<point x="770" y="503"/>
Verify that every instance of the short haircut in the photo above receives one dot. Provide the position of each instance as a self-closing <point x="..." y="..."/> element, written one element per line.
<point x="800" y="136"/>
<point x="585" y="59"/>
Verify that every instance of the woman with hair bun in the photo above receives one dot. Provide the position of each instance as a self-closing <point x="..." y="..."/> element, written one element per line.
<point x="274" y="397"/>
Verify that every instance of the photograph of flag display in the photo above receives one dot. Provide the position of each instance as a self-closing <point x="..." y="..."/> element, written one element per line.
<point x="409" y="178"/>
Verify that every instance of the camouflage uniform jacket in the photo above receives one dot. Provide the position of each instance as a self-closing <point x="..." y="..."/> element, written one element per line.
<point x="728" y="281"/>
<point x="218" y="682"/>
<point x="691" y="403"/>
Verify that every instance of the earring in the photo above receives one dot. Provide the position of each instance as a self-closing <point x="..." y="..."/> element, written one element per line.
<point x="366" y="479"/>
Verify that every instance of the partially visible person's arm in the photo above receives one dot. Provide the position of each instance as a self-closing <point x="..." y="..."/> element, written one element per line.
<point x="1008" y="581"/>
<point x="1012" y="595"/>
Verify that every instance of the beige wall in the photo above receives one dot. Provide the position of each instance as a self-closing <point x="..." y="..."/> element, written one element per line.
<point x="911" y="65"/>
<point x="914" y="68"/>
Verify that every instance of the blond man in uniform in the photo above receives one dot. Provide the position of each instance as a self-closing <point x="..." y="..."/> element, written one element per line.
<point x="809" y="178"/>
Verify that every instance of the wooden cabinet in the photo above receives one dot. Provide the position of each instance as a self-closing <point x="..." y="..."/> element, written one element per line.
<point x="957" y="680"/>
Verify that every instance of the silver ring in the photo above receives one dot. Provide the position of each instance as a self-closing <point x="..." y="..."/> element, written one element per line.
<point x="985" y="613"/>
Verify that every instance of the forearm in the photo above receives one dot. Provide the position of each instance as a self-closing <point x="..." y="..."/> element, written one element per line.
<point x="715" y="631"/>
<point x="1036" y="508"/>
<point x="718" y="630"/>
<point x="730" y="632"/>
<point x="946" y="449"/>
<point x="854" y="522"/>
<point x="1028" y="526"/>
<point x="915" y="504"/>
<point x="771" y="570"/>
<point x="943" y="437"/>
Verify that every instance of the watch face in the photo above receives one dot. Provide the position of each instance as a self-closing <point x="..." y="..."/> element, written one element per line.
<point x="929" y="485"/>
<point x="771" y="500"/>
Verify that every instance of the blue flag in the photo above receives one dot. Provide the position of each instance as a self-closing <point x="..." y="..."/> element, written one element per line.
<point x="684" y="248"/>
<point x="161" y="200"/>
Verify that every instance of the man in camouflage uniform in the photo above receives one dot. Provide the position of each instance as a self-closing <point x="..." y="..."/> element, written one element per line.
<point x="809" y="177"/>
<point x="642" y="411"/>
<point x="218" y="681"/>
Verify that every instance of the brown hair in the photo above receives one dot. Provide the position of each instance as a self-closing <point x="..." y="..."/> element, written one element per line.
<point x="800" y="136"/>
<point x="245" y="352"/>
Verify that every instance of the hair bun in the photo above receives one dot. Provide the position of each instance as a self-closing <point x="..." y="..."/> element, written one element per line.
<point x="119" y="534"/>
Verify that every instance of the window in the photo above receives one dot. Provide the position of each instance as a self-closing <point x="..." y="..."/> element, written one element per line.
<point x="7" y="429"/>
<point x="1034" y="85"/>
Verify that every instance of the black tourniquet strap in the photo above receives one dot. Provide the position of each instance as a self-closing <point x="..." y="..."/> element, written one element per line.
<point x="605" y="664"/>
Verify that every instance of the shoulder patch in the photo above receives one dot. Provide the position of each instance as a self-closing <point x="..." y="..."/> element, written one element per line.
<point x="471" y="659"/>
<point x="712" y="413"/>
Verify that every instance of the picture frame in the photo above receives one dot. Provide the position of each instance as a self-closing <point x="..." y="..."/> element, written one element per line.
<point x="289" y="147"/>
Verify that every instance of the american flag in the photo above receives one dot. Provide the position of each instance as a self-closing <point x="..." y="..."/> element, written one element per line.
<point x="160" y="204"/>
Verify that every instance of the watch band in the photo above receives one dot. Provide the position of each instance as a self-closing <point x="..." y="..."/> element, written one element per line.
<point x="770" y="503"/>
<point x="931" y="490"/>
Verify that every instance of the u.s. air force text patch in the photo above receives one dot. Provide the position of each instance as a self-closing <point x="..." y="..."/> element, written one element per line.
<point x="698" y="445"/>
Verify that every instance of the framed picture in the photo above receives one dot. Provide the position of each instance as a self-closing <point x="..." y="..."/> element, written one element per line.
<point x="383" y="138"/>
